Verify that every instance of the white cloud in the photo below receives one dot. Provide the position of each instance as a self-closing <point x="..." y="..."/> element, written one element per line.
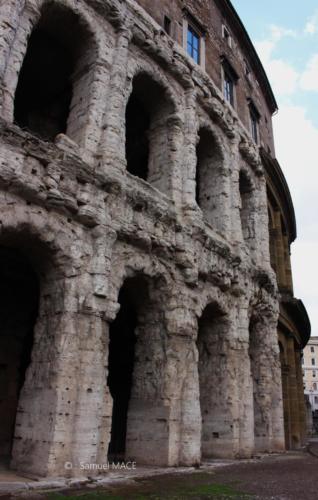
<point x="283" y="76"/>
<point x="296" y="140"/>
<point x="311" y="26"/>
<point x="309" y="79"/>
<point x="279" y="32"/>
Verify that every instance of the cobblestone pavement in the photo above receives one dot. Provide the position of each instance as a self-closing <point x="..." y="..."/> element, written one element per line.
<point x="289" y="476"/>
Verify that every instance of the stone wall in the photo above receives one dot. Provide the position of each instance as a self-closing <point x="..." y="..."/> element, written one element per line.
<point x="206" y="372"/>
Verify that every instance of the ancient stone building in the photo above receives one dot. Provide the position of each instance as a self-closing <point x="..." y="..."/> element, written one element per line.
<point x="139" y="299"/>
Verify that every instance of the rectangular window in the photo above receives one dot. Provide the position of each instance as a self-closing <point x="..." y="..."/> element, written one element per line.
<point x="316" y="399"/>
<point x="254" y="120"/>
<point x="167" y="25"/>
<point x="193" y="44"/>
<point x="230" y="78"/>
<point x="228" y="88"/>
<point x="226" y="35"/>
<point x="312" y="349"/>
<point x="314" y="374"/>
<point x="313" y="362"/>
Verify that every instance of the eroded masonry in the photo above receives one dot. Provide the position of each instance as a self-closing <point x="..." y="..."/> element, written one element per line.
<point x="144" y="239"/>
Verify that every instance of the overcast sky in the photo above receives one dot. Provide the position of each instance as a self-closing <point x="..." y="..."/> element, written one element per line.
<point x="285" y="34"/>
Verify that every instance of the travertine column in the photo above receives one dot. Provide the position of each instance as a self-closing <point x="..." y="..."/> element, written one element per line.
<point x="92" y="419"/>
<point x="112" y="148"/>
<point x="24" y="16"/>
<point x="219" y="354"/>
<point x="266" y="373"/>
<point x="189" y="150"/>
<point x="47" y="405"/>
<point x="182" y="381"/>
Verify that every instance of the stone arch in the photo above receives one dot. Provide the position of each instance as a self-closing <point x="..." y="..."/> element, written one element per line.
<point x="86" y="82"/>
<point x="149" y="130"/>
<point x="210" y="176"/>
<point x="247" y="206"/>
<point x="213" y="346"/>
<point x="47" y="398"/>
<point x="48" y="97"/>
<point x="19" y="292"/>
<point x="139" y="414"/>
<point x="27" y="264"/>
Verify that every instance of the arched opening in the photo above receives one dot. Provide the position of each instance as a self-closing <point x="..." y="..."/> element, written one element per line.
<point x="123" y="349"/>
<point x="147" y="131"/>
<point x="211" y="344"/>
<point x="209" y="177"/>
<point x="19" y="298"/>
<point x="136" y="374"/>
<point x="246" y="208"/>
<point x="122" y="340"/>
<point x="54" y="67"/>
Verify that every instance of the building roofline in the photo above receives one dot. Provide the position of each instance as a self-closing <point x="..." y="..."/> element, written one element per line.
<point x="252" y="52"/>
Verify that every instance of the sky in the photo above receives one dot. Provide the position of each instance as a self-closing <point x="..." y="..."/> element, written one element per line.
<point x="285" y="35"/>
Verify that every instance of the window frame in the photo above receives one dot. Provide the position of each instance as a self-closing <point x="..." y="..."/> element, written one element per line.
<point x="229" y="82"/>
<point x="191" y="24"/>
<point x="254" y="118"/>
<point x="226" y="35"/>
<point x="228" y="88"/>
<point x="194" y="36"/>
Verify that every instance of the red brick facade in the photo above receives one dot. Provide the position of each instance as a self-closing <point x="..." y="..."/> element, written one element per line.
<point x="211" y="16"/>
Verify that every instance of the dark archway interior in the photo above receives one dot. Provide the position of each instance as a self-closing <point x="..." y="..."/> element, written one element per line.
<point x="146" y="106"/>
<point x="122" y="342"/>
<point x="44" y="91"/>
<point x="137" y="137"/>
<point x="19" y="298"/>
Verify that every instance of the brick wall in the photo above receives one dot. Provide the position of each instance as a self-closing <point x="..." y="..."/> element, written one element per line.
<point x="212" y="17"/>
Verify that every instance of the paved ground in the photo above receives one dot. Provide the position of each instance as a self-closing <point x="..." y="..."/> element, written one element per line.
<point x="290" y="476"/>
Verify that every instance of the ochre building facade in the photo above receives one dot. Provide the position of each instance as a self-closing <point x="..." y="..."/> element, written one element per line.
<point x="144" y="239"/>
